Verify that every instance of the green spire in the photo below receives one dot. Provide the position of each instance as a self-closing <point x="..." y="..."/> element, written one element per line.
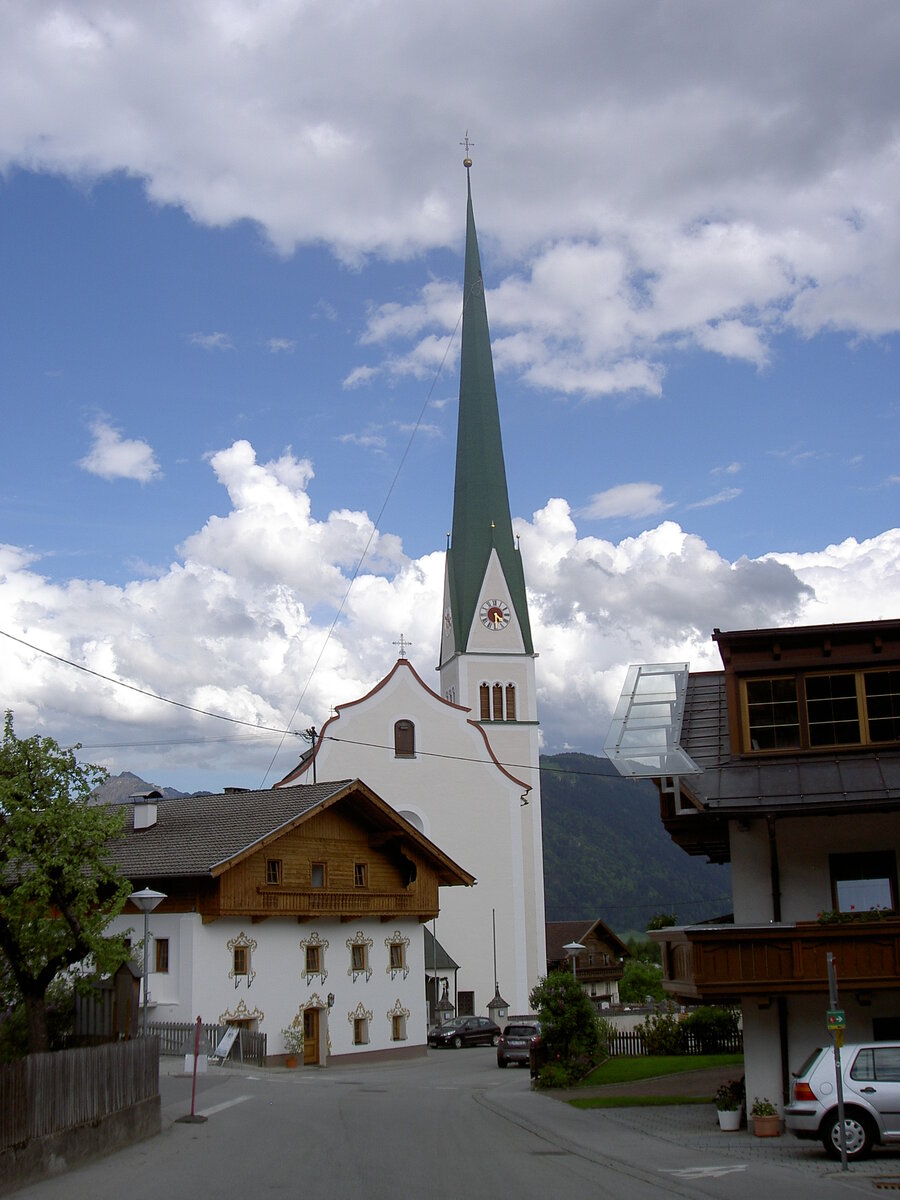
<point x="481" y="518"/>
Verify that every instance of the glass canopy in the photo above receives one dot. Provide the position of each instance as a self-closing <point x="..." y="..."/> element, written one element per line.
<point x="643" y="740"/>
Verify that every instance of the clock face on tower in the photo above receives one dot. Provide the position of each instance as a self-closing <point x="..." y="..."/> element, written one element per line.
<point x="495" y="614"/>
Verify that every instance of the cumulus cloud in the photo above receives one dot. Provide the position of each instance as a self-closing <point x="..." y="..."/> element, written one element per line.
<point x="112" y="456"/>
<point x="240" y="622"/>
<point x="655" y="181"/>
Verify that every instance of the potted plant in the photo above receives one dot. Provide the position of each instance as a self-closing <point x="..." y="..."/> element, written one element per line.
<point x="766" y="1122"/>
<point x="729" y="1100"/>
<point x="293" y="1044"/>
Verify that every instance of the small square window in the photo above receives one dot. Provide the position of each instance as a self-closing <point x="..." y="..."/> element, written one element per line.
<point x="864" y="881"/>
<point x="358" y="957"/>
<point x="317" y="875"/>
<point x="360" y="1031"/>
<point x="397" y="949"/>
<point x="274" y="870"/>
<point x="313" y="960"/>
<point x="398" y="1028"/>
<point x="360" y="875"/>
<point x="162" y="955"/>
<point x="241" y="960"/>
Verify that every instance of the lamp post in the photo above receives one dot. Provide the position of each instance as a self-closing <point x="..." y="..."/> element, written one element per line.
<point x="146" y="900"/>
<point x="573" y="949"/>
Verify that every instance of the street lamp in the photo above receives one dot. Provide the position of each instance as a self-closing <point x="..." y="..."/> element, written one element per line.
<point x="573" y="949"/>
<point x="146" y="900"/>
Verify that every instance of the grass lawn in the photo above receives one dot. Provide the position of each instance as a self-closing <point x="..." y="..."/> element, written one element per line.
<point x="627" y="1070"/>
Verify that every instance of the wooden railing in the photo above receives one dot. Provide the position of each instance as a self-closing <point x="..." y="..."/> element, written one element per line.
<point x="49" y="1093"/>
<point x="318" y="900"/>
<point x="724" y="962"/>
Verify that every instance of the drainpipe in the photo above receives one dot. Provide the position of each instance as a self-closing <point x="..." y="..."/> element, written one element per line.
<point x="781" y="1001"/>
<point x="774" y="872"/>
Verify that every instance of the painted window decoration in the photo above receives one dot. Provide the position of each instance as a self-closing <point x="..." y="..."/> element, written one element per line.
<point x="359" y="1018"/>
<point x="242" y="1015"/>
<point x="241" y="949"/>
<point x="317" y="875"/>
<point x="404" y="739"/>
<point x="274" y="872"/>
<point x="359" y="946"/>
<point x="313" y="949"/>
<point x="398" y="1016"/>
<point x="397" y="947"/>
<point x="162" y="956"/>
<point x="817" y="710"/>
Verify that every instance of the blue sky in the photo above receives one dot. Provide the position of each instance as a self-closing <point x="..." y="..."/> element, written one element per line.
<point x="230" y="273"/>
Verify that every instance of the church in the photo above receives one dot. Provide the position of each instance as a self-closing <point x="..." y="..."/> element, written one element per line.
<point x="460" y="762"/>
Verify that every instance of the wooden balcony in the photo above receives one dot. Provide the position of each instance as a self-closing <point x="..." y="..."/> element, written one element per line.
<point x="726" y="962"/>
<point x="599" y="974"/>
<point x="328" y="902"/>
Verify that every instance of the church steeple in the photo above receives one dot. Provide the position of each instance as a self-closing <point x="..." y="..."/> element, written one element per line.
<point x="481" y="518"/>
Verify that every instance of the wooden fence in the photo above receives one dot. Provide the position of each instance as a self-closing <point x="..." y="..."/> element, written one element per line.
<point x="631" y="1044"/>
<point x="50" y="1093"/>
<point x="177" y="1037"/>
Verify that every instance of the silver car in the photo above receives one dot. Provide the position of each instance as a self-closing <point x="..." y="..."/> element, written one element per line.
<point x="871" y="1075"/>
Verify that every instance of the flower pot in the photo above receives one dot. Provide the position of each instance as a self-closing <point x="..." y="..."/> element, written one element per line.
<point x="767" y="1126"/>
<point x="729" y="1119"/>
<point x="290" y="1060"/>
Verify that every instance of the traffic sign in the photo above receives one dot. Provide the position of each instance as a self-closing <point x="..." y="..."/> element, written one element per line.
<point x="836" y="1019"/>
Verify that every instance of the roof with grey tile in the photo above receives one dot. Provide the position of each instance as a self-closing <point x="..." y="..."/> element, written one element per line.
<point x="194" y="834"/>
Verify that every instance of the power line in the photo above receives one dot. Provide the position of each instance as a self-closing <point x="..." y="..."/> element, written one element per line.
<point x="203" y="712"/>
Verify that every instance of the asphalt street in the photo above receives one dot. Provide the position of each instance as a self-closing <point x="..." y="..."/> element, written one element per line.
<point x="447" y="1126"/>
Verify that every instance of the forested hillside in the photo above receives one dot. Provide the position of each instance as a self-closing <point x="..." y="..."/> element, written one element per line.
<point x="607" y="855"/>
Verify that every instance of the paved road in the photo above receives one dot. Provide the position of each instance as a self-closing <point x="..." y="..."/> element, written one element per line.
<point x="447" y="1127"/>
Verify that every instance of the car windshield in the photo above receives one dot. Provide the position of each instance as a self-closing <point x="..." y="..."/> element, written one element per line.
<point x="454" y="1023"/>
<point x="520" y="1030"/>
<point x="808" y="1064"/>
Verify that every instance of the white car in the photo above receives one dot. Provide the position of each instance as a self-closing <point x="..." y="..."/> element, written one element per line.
<point x="871" y="1077"/>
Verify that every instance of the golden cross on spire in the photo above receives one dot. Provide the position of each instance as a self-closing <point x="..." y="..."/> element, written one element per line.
<point x="467" y="161"/>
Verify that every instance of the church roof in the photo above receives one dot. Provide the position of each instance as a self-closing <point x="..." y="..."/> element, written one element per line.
<point x="481" y="516"/>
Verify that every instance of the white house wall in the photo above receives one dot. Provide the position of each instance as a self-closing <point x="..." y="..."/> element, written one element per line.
<point x="198" y="983"/>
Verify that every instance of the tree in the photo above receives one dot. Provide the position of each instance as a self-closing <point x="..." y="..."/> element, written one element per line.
<point x="640" y="980"/>
<point x="58" y="887"/>
<point x="569" y="1031"/>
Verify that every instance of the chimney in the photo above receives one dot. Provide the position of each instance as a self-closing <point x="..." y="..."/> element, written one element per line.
<point x="145" y="809"/>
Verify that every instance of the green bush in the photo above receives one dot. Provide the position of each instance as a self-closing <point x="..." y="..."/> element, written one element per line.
<point x="714" y="1028"/>
<point x="570" y="1033"/>
<point x="663" y="1033"/>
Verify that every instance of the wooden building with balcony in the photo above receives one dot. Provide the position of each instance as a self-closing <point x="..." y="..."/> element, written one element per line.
<point x="598" y="967"/>
<point x="786" y="763"/>
<point x="290" y="908"/>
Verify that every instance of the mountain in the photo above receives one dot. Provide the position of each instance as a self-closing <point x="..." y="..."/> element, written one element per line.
<point x="118" y="788"/>
<point x="606" y="853"/>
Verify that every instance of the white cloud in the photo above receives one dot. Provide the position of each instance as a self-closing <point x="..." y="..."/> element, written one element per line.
<point x="626" y="500"/>
<point x="238" y="621"/>
<point x="700" y="179"/>
<point x="359" y="376"/>
<point x="113" y="457"/>
<point x="281" y="345"/>
<point x="211" y="341"/>
<point x="725" y="496"/>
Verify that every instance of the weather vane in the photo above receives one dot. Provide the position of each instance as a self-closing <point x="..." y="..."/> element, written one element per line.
<point x="402" y="643"/>
<point x="467" y="161"/>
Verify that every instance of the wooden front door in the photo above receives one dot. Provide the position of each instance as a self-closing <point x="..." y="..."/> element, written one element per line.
<point x="310" y="1036"/>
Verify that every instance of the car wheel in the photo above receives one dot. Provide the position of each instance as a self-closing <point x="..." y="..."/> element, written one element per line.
<point x="495" y="1039"/>
<point x="457" y="1042"/>
<point x="501" y="1062"/>
<point x="858" y="1131"/>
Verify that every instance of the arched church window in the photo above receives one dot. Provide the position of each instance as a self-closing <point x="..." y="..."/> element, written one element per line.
<point x="510" y="702"/>
<point x="404" y="739"/>
<point x="498" y="701"/>
<point x="484" y="695"/>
